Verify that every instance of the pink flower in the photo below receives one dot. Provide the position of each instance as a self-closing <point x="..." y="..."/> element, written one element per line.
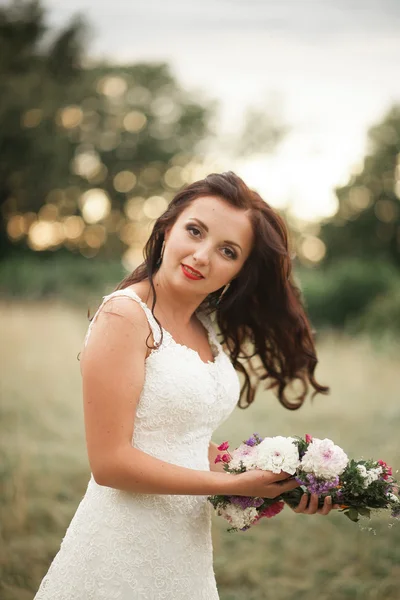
<point x="387" y="470"/>
<point x="225" y="458"/>
<point x="223" y="446"/>
<point x="308" y="438"/>
<point x="271" y="511"/>
<point x="218" y="458"/>
<point x="245" y="454"/>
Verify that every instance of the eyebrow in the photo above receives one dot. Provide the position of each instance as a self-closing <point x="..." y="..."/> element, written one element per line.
<point x="204" y="226"/>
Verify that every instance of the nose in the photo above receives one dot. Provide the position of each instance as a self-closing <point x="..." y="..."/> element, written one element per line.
<point x="201" y="255"/>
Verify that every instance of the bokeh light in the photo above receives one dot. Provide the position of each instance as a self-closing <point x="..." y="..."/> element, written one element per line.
<point x="95" y="235"/>
<point x="16" y="227"/>
<point x="112" y="86"/>
<point x="73" y="227"/>
<point x="134" y="207"/>
<point x="312" y="248"/>
<point x="95" y="205"/>
<point x="69" y="117"/>
<point x="132" y="257"/>
<point x="124" y="181"/>
<point x="173" y="177"/>
<point x="134" y="121"/>
<point x="386" y="210"/>
<point x="48" y="212"/>
<point x="45" y="234"/>
<point x="155" y="206"/>
<point x="32" y="118"/>
<point x="87" y="164"/>
<point x="360" y="197"/>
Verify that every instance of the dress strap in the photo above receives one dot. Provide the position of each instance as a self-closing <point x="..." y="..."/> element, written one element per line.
<point x="131" y="294"/>
<point x="208" y="324"/>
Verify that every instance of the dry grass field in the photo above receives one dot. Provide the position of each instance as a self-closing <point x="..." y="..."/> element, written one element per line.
<point x="44" y="469"/>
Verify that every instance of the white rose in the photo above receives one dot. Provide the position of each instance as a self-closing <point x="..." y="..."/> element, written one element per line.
<point x="278" y="454"/>
<point x="324" y="459"/>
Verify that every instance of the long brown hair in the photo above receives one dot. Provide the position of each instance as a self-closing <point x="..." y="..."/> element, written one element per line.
<point x="261" y="318"/>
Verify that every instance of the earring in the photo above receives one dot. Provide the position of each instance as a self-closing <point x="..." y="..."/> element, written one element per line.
<point x="161" y="254"/>
<point x="223" y="292"/>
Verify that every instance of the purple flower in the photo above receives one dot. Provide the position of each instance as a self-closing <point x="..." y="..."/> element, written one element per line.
<point x="253" y="440"/>
<point x="250" y="442"/>
<point x="315" y="486"/>
<point x="246" y="502"/>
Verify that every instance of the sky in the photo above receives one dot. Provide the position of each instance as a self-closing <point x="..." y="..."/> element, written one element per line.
<point x="327" y="69"/>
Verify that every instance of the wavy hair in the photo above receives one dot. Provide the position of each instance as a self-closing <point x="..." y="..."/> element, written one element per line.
<point x="261" y="319"/>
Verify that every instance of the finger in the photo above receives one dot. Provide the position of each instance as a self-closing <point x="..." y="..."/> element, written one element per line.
<point x="313" y="506"/>
<point x="287" y="486"/>
<point x="300" y="508"/>
<point x="327" y="507"/>
<point x="281" y="476"/>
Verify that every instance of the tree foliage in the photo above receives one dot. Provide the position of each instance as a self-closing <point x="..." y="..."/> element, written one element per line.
<point x="367" y="223"/>
<point x="35" y="78"/>
<point x="66" y="129"/>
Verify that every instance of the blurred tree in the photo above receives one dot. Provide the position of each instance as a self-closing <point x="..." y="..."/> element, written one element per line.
<point x="89" y="155"/>
<point x="34" y="77"/>
<point x="367" y="223"/>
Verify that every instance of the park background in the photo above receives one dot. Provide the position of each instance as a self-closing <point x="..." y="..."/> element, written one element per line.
<point x="105" y="113"/>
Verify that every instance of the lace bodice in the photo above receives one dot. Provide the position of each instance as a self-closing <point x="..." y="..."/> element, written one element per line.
<point x="127" y="546"/>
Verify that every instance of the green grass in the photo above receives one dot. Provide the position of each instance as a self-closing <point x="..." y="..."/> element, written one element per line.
<point x="44" y="469"/>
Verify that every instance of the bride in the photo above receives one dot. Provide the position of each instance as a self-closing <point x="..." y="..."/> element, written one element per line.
<point x="157" y="382"/>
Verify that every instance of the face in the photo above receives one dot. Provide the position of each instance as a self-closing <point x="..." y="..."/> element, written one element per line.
<point x="207" y="245"/>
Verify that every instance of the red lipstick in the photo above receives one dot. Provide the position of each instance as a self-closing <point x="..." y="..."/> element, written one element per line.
<point x="191" y="273"/>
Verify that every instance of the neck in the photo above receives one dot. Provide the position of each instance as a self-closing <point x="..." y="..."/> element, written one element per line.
<point x="178" y="308"/>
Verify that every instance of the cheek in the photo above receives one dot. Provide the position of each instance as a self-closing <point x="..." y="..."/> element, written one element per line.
<point x="223" y="268"/>
<point x="179" y="244"/>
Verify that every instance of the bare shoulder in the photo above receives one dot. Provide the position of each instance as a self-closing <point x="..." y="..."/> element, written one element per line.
<point x="127" y="308"/>
<point x="120" y="328"/>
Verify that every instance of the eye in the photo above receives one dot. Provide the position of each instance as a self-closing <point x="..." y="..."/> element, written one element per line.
<point x="194" y="231"/>
<point x="231" y="253"/>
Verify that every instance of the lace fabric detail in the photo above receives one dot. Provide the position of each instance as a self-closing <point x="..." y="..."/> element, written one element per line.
<point x="126" y="546"/>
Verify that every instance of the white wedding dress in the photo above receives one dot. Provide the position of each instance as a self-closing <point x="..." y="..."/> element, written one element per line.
<point x="132" y="546"/>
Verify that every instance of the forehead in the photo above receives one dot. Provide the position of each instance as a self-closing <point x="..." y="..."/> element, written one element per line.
<point x="219" y="215"/>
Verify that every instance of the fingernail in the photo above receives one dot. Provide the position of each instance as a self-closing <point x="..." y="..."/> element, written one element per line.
<point x="330" y="499"/>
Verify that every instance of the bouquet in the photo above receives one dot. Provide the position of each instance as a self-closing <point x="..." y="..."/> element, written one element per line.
<point x="319" y="466"/>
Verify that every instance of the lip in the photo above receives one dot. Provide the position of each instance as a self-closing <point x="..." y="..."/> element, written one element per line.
<point x="191" y="275"/>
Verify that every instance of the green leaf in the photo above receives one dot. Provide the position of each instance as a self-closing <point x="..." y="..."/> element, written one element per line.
<point x="352" y="514"/>
<point x="365" y="512"/>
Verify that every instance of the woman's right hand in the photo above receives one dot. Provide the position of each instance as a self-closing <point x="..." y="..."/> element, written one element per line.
<point x="262" y="484"/>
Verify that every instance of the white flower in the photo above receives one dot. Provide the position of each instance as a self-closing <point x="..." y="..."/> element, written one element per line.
<point x="392" y="497"/>
<point x="278" y="454"/>
<point x="245" y="454"/>
<point x="324" y="459"/>
<point x="237" y="516"/>
<point x="363" y="470"/>
<point x="369" y="475"/>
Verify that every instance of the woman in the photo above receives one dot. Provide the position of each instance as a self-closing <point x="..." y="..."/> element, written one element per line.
<point x="157" y="383"/>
